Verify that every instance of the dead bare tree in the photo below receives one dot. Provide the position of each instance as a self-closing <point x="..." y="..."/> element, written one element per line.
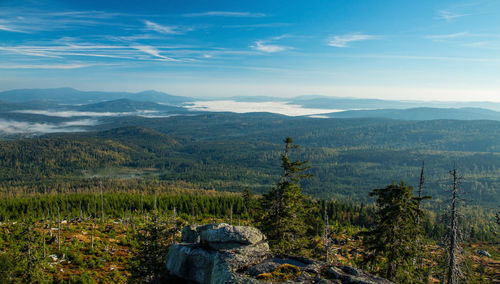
<point x="454" y="273"/>
<point x="326" y="233"/>
<point x="231" y="216"/>
<point x="102" y="205"/>
<point x="58" y="229"/>
<point x="174" y="229"/>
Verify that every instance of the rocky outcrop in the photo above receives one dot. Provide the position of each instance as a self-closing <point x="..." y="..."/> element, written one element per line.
<point x="212" y="253"/>
<point x="221" y="253"/>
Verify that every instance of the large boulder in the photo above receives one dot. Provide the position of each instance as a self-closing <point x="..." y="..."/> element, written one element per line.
<point x="191" y="262"/>
<point x="221" y="253"/>
<point x="212" y="253"/>
<point x="224" y="236"/>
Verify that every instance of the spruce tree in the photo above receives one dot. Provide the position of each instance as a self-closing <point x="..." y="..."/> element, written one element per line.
<point x="249" y="202"/>
<point x="396" y="231"/>
<point x="497" y="216"/>
<point x="284" y="213"/>
<point x="148" y="265"/>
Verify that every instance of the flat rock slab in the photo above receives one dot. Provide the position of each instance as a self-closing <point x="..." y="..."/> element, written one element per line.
<point x="224" y="236"/>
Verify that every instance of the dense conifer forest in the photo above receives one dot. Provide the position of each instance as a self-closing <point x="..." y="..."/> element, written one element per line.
<point x="103" y="206"/>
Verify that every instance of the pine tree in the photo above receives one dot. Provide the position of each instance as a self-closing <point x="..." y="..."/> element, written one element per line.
<point x="396" y="231"/>
<point x="498" y="218"/>
<point x="149" y="262"/>
<point x="284" y="212"/>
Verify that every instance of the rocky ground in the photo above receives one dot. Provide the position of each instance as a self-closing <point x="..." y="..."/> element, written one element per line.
<point x="221" y="253"/>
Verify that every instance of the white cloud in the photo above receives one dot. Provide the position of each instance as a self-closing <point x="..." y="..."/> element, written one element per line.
<point x="449" y="16"/>
<point x="161" y="29"/>
<point x="152" y="51"/>
<point x="226" y="14"/>
<point x="46" y="66"/>
<point x="262" y="46"/>
<point x="68" y="50"/>
<point x="39" y="20"/>
<point x="344" y="40"/>
<point x="477" y="44"/>
<point x="29" y="51"/>
<point x="264" y="25"/>
<point x="9" y="29"/>
<point x="446" y="36"/>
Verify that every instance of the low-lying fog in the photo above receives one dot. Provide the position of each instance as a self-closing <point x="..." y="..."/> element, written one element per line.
<point x="9" y="127"/>
<point x="246" y="107"/>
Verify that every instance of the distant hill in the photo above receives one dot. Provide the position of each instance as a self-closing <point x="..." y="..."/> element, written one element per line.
<point x="139" y="136"/>
<point x="40" y="104"/>
<point x="73" y="96"/>
<point x="422" y="113"/>
<point x="127" y="105"/>
<point x="325" y="102"/>
<point x="350" y="103"/>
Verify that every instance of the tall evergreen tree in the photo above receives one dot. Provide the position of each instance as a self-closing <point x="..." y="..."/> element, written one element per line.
<point x="284" y="213"/>
<point x="149" y="262"/>
<point x="396" y="231"/>
<point x="249" y="202"/>
<point x="498" y="218"/>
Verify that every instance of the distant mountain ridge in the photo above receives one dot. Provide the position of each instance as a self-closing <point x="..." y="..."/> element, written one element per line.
<point x="154" y="104"/>
<point x="128" y="105"/>
<point x="371" y="104"/>
<point x="421" y="113"/>
<point x="73" y="96"/>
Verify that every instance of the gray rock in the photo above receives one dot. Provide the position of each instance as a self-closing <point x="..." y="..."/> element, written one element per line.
<point x="246" y="256"/>
<point x="190" y="262"/>
<point x="483" y="252"/>
<point x="264" y="267"/>
<point x="347" y="274"/>
<point x="220" y="253"/>
<point x="224" y="236"/>
<point x="190" y="235"/>
<point x="349" y="270"/>
<point x="213" y="253"/>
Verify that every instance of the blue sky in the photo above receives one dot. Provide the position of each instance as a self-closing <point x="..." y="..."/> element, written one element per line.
<point x="414" y="50"/>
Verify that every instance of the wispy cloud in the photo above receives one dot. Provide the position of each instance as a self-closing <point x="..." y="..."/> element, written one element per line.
<point x="447" y="36"/>
<point x="45" y="66"/>
<point x="265" y="25"/>
<point x="72" y="50"/>
<point x="226" y="14"/>
<point x="28" y="51"/>
<point x="449" y="16"/>
<point x="267" y="46"/>
<point x="345" y="40"/>
<point x="477" y="44"/>
<point x="152" y="51"/>
<point x="9" y="29"/>
<point x="161" y="28"/>
<point x="270" y="48"/>
<point x="37" y="20"/>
